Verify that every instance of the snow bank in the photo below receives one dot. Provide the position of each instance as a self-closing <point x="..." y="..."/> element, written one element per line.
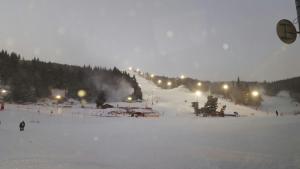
<point x="74" y="142"/>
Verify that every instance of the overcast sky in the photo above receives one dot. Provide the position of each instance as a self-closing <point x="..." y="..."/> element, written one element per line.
<point x="205" y="39"/>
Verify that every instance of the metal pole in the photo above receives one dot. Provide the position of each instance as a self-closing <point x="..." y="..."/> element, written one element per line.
<point x="298" y="11"/>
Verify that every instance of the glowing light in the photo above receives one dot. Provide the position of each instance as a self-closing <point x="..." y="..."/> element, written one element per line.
<point x="159" y="81"/>
<point x="129" y="99"/>
<point x="182" y="77"/>
<point x="169" y="83"/>
<point x="199" y="84"/>
<point x="152" y="75"/>
<point x="137" y="69"/>
<point x="81" y="93"/>
<point x="130" y="68"/>
<point x="225" y="87"/>
<point x="198" y="93"/>
<point x="58" y="97"/>
<point x="3" y="91"/>
<point x="255" y="93"/>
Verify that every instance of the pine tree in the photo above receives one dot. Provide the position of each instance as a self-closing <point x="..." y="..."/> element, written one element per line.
<point x="211" y="105"/>
<point x="222" y="111"/>
<point x="238" y="82"/>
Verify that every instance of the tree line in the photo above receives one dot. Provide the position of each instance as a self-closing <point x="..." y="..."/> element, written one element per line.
<point x="292" y="85"/>
<point x="30" y="80"/>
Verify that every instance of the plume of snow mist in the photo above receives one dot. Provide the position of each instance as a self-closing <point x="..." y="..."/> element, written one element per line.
<point x="114" y="92"/>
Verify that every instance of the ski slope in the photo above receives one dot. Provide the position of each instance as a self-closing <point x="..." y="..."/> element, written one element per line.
<point x="177" y="101"/>
<point x="73" y="138"/>
<point x="282" y="102"/>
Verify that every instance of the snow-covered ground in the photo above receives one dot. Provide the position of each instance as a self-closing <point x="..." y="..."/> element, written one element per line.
<point x="74" y="138"/>
<point x="282" y="102"/>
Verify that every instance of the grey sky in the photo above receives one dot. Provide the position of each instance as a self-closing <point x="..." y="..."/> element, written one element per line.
<point x="206" y="39"/>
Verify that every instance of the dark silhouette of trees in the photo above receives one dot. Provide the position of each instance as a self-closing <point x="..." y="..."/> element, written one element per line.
<point x="34" y="79"/>
<point x="211" y="105"/>
<point x="291" y="85"/>
<point x="210" y="108"/>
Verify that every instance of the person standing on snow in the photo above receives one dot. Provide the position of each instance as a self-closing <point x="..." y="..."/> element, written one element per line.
<point x="22" y="126"/>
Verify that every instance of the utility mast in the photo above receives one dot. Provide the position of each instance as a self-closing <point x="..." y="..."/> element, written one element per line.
<point x="286" y="29"/>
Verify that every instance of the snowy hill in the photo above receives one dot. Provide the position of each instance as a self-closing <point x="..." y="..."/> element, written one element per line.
<point x="177" y="101"/>
<point x="282" y="102"/>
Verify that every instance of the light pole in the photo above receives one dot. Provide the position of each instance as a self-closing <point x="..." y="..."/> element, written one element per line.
<point x="152" y="97"/>
<point x="3" y="91"/>
<point x="58" y="98"/>
<point x="255" y="93"/>
<point x="159" y="82"/>
<point x="169" y="84"/>
<point x="81" y="94"/>
<point x="3" y="94"/>
<point x="225" y="88"/>
<point x="198" y="93"/>
<point x="129" y="99"/>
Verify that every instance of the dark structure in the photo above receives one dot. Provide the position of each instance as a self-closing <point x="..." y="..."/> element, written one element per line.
<point x="286" y="30"/>
<point x="298" y="11"/>
<point x="210" y="108"/>
<point x="22" y="125"/>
